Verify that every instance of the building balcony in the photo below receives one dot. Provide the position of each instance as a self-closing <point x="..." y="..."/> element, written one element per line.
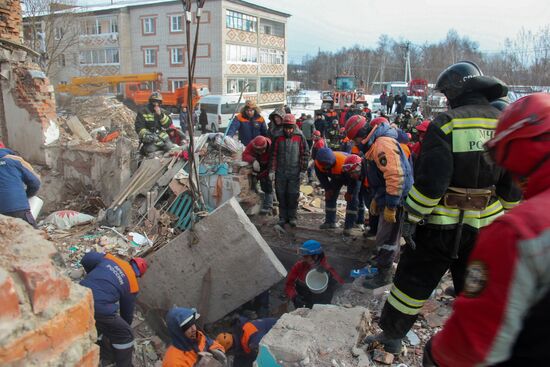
<point x="102" y="39"/>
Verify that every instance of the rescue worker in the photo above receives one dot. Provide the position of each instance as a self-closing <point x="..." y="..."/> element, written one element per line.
<point x="114" y="286"/>
<point x="345" y="142"/>
<point x="288" y="161"/>
<point x="312" y="257"/>
<point x="330" y="115"/>
<point x="152" y="124"/>
<point x="318" y="143"/>
<point x="257" y="153"/>
<point x="328" y="168"/>
<point x="455" y="193"/>
<point x="275" y="128"/>
<point x="188" y="342"/>
<point x="333" y="136"/>
<point x="321" y="124"/>
<point x="308" y="127"/>
<point x="421" y="129"/>
<point x="244" y="341"/>
<point x="18" y="183"/>
<point x="248" y="123"/>
<point x="390" y="178"/>
<point x="498" y="319"/>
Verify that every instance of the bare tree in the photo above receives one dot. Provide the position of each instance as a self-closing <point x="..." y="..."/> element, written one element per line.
<point x="51" y="27"/>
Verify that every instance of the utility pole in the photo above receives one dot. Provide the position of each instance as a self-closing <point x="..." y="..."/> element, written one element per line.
<point x="407" y="48"/>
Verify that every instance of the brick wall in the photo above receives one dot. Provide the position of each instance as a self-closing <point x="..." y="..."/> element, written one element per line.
<point x="10" y="20"/>
<point x="45" y="319"/>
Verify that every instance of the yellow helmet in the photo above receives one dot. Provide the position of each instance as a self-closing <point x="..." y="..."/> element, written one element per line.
<point x="155" y="97"/>
<point x="225" y="340"/>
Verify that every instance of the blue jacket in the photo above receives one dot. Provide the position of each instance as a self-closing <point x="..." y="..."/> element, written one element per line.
<point x="389" y="172"/>
<point x="18" y="182"/>
<point x="248" y="128"/>
<point x="112" y="281"/>
<point x="251" y="333"/>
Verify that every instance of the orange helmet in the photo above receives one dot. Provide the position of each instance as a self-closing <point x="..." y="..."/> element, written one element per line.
<point x="141" y="264"/>
<point x="352" y="164"/>
<point x="354" y="124"/>
<point x="521" y="140"/>
<point x="225" y="340"/>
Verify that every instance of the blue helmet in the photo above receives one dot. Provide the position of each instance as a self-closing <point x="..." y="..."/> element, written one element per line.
<point x="311" y="247"/>
<point x="326" y="155"/>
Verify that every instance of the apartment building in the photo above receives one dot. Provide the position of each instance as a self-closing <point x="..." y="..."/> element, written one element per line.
<point x="240" y="44"/>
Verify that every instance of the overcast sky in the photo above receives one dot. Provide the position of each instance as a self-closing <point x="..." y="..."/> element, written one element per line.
<point x="333" y="24"/>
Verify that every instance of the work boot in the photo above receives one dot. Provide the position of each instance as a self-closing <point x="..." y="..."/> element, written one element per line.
<point x="328" y="226"/>
<point x="392" y="346"/>
<point x="292" y="222"/>
<point x="267" y="205"/>
<point x="384" y="277"/>
<point x="282" y="221"/>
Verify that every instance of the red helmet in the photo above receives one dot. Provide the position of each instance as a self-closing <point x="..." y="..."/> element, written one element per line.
<point x="378" y="120"/>
<point x="423" y="126"/>
<point x="517" y="144"/>
<point x="259" y="142"/>
<point x="354" y="124"/>
<point x="352" y="164"/>
<point x="289" y="119"/>
<point x="317" y="133"/>
<point x="141" y="264"/>
<point x="342" y="130"/>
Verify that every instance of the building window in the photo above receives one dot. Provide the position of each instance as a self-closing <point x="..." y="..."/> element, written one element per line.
<point x="240" y="21"/>
<point x="149" y="25"/>
<point x="177" y="83"/>
<point x="59" y="32"/>
<point x="237" y="85"/>
<point x="99" y="57"/>
<point x="176" y="23"/>
<point x="268" y="85"/>
<point x="150" y="55"/>
<point x="241" y="54"/>
<point x="90" y="27"/>
<point x="272" y="28"/>
<point x="113" y="26"/>
<point x="176" y="56"/>
<point x="270" y="56"/>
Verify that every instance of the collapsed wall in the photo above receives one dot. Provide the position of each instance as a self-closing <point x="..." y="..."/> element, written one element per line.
<point x="45" y="319"/>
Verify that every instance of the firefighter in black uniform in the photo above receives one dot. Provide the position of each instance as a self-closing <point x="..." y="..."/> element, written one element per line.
<point x="152" y="124"/>
<point x="455" y="193"/>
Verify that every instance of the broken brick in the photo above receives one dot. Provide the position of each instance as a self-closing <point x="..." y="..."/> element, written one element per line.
<point x="44" y="285"/>
<point x="383" y="357"/>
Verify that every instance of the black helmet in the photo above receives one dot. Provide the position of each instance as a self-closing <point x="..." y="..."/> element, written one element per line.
<point x="155" y="97"/>
<point x="500" y="104"/>
<point x="466" y="76"/>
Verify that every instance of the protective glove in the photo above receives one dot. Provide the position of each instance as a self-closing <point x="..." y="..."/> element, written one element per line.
<point x="299" y="301"/>
<point x="373" y="209"/>
<point x="148" y="138"/>
<point x="272" y="176"/>
<point x="427" y="360"/>
<point x="321" y="269"/>
<point x="348" y="196"/>
<point x="389" y="214"/>
<point x="408" y="232"/>
<point x="256" y="166"/>
<point x="219" y="356"/>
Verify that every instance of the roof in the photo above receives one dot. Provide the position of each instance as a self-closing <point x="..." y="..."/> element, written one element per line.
<point x="259" y="7"/>
<point x="140" y="3"/>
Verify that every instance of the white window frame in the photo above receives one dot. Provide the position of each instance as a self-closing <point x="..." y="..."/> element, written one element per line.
<point x="177" y="83"/>
<point x="104" y="56"/>
<point x="239" y="84"/>
<point x="151" y="56"/>
<point x="237" y="54"/>
<point x="149" y="22"/>
<point x="175" y="25"/>
<point x="174" y="55"/>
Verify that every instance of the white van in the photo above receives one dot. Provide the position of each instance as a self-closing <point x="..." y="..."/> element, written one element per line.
<point x="219" y="110"/>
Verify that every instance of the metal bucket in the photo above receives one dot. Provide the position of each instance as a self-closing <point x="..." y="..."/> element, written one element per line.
<point x="317" y="281"/>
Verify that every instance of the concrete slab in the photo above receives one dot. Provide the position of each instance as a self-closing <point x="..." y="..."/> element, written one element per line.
<point x="241" y="262"/>
<point x="323" y="336"/>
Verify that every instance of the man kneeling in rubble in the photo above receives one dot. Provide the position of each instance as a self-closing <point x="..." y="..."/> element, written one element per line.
<point x="189" y="344"/>
<point x="153" y="125"/>
<point x="313" y="258"/>
<point x="257" y="153"/>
